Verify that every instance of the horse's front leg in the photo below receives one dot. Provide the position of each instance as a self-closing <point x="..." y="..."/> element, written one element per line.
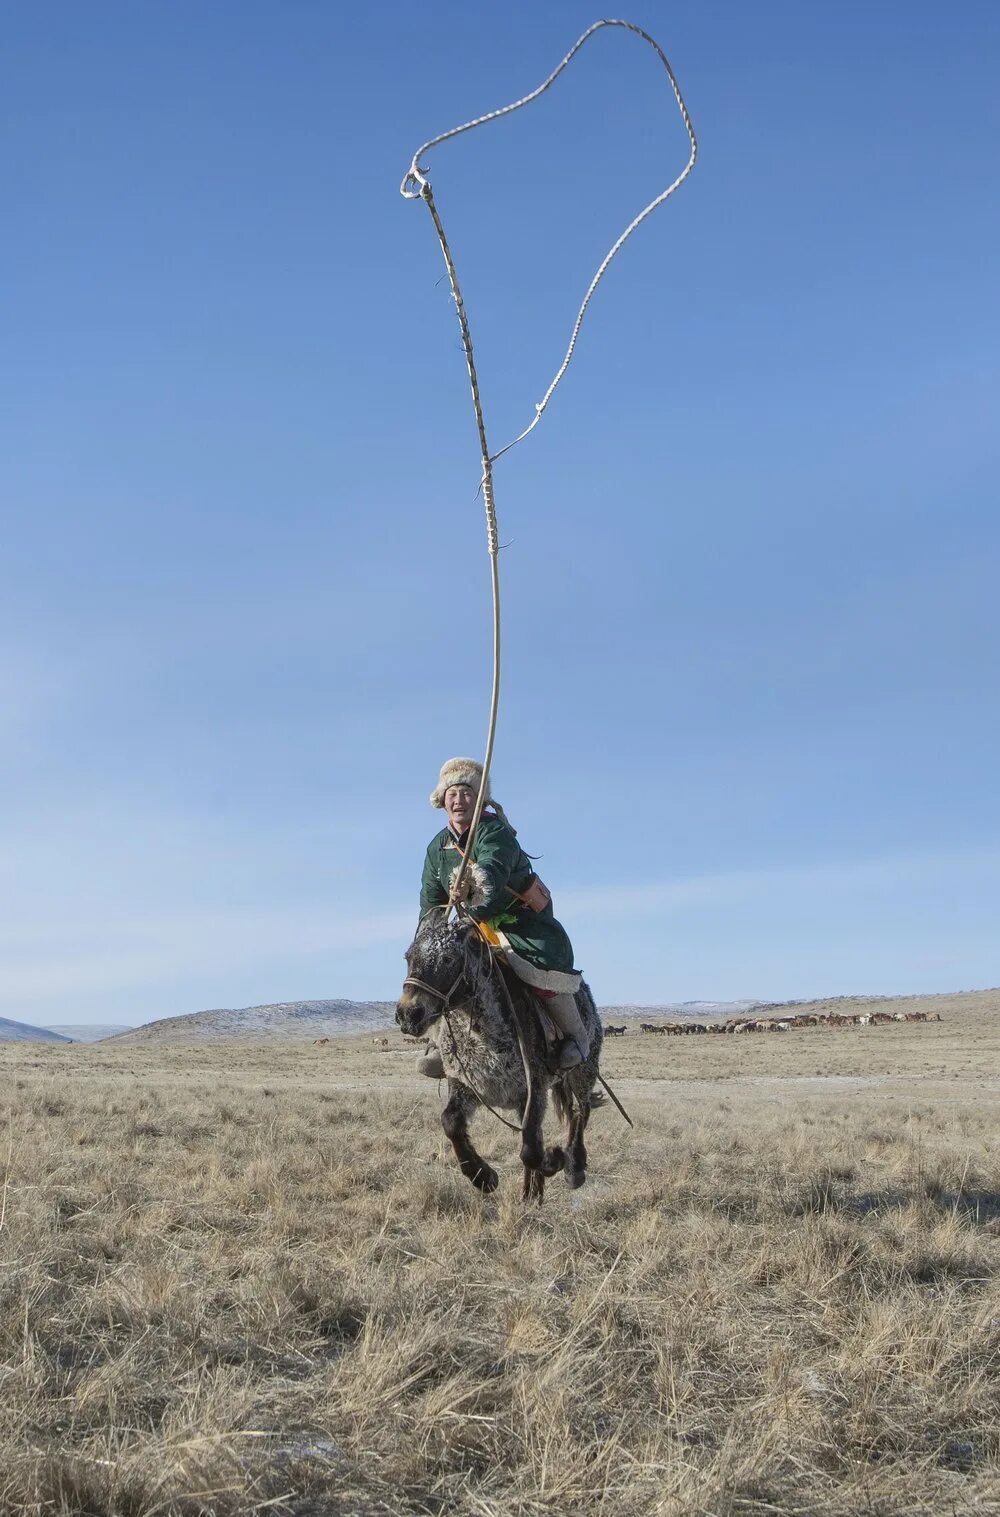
<point x="532" y="1144"/>
<point x="539" y="1162"/>
<point x="455" y="1119"/>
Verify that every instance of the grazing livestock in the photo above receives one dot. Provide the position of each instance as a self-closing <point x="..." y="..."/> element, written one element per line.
<point x="381" y="1044"/>
<point x="454" y="985"/>
<point x="320" y="1041"/>
<point x="832" y="1020"/>
<point x="610" y="1031"/>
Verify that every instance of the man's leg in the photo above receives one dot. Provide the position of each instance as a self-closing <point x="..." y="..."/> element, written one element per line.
<point x="565" y="1014"/>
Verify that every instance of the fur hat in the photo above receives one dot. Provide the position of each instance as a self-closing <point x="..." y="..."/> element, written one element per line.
<point x="459" y="771"/>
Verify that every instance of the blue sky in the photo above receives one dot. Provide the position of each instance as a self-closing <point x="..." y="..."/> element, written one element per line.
<point x="750" y="717"/>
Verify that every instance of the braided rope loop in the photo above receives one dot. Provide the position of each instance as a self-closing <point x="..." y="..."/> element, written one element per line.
<point x="416" y="185"/>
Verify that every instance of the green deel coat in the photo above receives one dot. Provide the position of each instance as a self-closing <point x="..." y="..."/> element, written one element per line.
<point x="536" y="935"/>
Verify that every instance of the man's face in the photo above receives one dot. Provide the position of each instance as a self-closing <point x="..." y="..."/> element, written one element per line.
<point x="459" y="804"/>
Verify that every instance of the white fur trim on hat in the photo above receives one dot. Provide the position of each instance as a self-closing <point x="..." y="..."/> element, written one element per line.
<point x="458" y="771"/>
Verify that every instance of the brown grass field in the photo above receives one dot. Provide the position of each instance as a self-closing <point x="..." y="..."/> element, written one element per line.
<point x="247" y="1279"/>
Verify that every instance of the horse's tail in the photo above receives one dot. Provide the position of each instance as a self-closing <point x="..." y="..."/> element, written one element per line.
<point x="562" y="1100"/>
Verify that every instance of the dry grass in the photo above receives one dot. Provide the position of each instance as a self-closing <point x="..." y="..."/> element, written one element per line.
<point x="249" y="1279"/>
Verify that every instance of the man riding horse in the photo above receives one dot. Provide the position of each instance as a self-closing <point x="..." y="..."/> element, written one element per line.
<point x="502" y="893"/>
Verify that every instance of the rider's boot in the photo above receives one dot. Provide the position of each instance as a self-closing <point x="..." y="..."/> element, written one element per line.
<point x="430" y="1062"/>
<point x="565" y="1014"/>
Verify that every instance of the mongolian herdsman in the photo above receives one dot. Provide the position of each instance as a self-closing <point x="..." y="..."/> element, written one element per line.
<point x="502" y="893"/>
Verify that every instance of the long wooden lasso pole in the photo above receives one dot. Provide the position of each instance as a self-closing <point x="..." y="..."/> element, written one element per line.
<point x="492" y="543"/>
<point x="416" y="186"/>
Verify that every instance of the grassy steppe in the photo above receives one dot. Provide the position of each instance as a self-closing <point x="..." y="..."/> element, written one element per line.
<point x="239" y="1279"/>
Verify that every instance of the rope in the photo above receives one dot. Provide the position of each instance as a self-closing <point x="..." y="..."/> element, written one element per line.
<point x="514" y="1127"/>
<point x="497" y="969"/>
<point x="416" y="186"/>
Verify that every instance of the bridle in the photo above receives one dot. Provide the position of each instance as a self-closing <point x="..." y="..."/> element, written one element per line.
<point x="445" y="997"/>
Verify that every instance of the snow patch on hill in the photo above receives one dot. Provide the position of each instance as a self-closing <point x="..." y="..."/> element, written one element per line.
<point x="281" y="1020"/>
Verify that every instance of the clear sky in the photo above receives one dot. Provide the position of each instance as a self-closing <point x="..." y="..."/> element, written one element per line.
<point x="750" y="718"/>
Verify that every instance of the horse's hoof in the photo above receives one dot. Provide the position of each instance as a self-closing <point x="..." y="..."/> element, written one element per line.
<point x="485" y="1179"/>
<point x="554" y="1161"/>
<point x="575" y="1178"/>
<point x="532" y="1155"/>
<point x="533" y="1188"/>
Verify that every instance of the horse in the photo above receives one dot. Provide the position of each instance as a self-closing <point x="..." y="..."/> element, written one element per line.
<point x="453" y="979"/>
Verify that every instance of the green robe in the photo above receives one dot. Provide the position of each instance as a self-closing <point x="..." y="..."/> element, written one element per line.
<point x="536" y="935"/>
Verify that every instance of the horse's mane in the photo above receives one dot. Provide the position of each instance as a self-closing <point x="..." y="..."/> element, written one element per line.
<point x="519" y="994"/>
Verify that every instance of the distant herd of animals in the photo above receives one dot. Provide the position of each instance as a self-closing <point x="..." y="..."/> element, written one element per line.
<point x="834" y="1019"/>
<point x="380" y="1044"/>
<point x="734" y="1025"/>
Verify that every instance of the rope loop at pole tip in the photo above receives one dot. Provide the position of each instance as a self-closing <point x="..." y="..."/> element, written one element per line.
<point x="418" y="176"/>
<point x="415" y="182"/>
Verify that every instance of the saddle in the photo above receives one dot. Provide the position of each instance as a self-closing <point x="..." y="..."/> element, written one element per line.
<point x="550" y="1032"/>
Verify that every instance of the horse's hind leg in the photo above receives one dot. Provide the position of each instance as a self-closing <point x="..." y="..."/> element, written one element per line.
<point x="454" y="1119"/>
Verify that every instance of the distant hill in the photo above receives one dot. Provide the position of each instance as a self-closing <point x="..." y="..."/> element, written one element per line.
<point x="290" y="1020"/>
<point x="22" y="1032"/>
<point x="283" y="1020"/>
<point x="90" y="1032"/>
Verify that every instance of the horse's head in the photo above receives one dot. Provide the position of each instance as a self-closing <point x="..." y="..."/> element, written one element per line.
<point x="436" y="963"/>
